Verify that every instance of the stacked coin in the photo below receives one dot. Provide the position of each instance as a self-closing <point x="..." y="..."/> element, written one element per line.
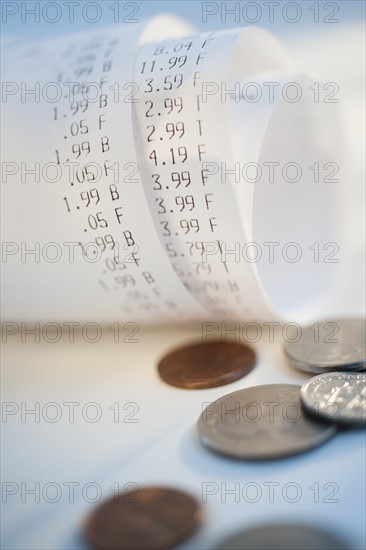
<point x="338" y="393"/>
<point x="262" y="422"/>
<point x="277" y="420"/>
<point x="328" y="346"/>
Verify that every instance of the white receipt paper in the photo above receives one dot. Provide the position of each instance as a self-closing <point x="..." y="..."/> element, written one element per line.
<point x="143" y="178"/>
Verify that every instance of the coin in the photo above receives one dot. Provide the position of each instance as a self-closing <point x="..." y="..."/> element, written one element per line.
<point x="330" y="346"/>
<point x="259" y="423"/>
<point x="206" y="365"/>
<point x="148" y="518"/>
<point x="283" y="537"/>
<point x="337" y="396"/>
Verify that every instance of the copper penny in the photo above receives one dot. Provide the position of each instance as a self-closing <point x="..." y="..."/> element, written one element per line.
<point x="146" y="519"/>
<point x="206" y="365"/>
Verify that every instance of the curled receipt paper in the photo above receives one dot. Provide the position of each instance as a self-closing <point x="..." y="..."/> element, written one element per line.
<point x="160" y="175"/>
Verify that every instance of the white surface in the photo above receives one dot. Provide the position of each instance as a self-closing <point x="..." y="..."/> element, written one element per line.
<point x="161" y="448"/>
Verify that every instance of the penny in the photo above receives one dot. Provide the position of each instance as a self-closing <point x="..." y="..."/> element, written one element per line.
<point x="262" y="422"/>
<point x="148" y="518"/>
<point x="330" y="346"/>
<point x="206" y="365"/>
<point x="336" y="396"/>
<point x="284" y="537"/>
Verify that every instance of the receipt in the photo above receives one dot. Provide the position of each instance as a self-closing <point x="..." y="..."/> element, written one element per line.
<point x="119" y="182"/>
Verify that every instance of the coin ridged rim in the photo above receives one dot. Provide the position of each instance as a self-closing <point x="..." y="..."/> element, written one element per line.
<point x="318" y="367"/>
<point x="299" y="447"/>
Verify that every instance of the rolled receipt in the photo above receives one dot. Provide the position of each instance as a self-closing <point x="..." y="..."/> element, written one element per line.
<point x="127" y="184"/>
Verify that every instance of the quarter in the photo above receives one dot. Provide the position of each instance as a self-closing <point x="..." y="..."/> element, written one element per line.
<point x="262" y="422"/>
<point x="330" y="346"/>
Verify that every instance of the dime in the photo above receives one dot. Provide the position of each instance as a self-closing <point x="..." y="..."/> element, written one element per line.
<point x="330" y="346"/>
<point x="336" y="396"/>
<point x="206" y="365"/>
<point x="283" y="537"/>
<point x="149" y="518"/>
<point x="262" y="422"/>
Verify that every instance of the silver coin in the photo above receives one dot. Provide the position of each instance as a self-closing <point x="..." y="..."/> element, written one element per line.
<point x="328" y="346"/>
<point x="337" y="396"/>
<point x="260" y="423"/>
<point x="283" y="537"/>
